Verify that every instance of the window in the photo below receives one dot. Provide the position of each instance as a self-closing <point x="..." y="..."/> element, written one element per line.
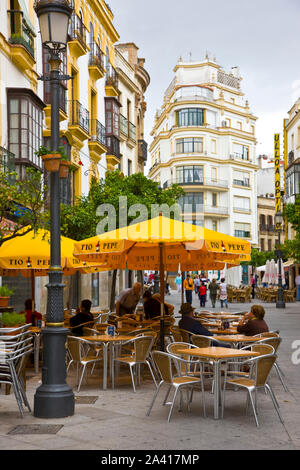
<point x="213" y="146"/>
<point x="25" y="125"/>
<point x="189" y="174"/>
<point x="262" y="244"/>
<point x="214" y="225"/>
<point x="241" y="151"/>
<point x="241" y="178"/>
<point x="241" y="203"/>
<point x="189" y="145"/>
<point x="242" y="230"/>
<point x="214" y="174"/>
<point x="240" y="125"/>
<point x="293" y="180"/>
<point x="191" y="202"/>
<point x="62" y="83"/>
<point x="95" y="289"/>
<point x="190" y="117"/>
<point x="269" y="245"/>
<point x="214" y="199"/>
<point x="112" y="117"/>
<point x="129" y="167"/>
<point x="262" y="219"/>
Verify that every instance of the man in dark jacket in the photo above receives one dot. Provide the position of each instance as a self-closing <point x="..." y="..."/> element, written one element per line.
<point x="83" y="316"/>
<point x="195" y="327"/>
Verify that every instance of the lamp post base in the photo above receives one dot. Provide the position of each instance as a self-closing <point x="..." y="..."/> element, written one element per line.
<point x="54" y="398"/>
<point x="280" y="304"/>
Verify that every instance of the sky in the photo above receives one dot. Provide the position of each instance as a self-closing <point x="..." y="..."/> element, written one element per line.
<point x="259" y="36"/>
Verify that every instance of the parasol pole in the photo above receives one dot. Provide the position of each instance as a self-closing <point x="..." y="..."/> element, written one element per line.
<point x="182" y="287"/>
<point x="32" y="291"/>
<point x="162" y="297"/>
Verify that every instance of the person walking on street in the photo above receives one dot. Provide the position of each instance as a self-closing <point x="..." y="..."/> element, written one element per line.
<point x="188" y="287"/>
<point x="297" y="281"/>
<point x="202" y="294"/>
<point x="213" y="289"/>
<point x="223" y="293"/>
<point x="253" y="284"/>
<point x="196" y="284"/>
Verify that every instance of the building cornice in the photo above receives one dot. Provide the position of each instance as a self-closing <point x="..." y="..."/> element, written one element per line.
<point x="105" y="19"/>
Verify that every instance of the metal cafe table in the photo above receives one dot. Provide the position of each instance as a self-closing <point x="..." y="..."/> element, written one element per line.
<point x="217" y="355"/>
<point x="107" y="340"/>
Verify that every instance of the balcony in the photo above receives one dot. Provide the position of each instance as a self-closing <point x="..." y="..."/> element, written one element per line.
<point x="77" y="36"/>
<point x="142" y="150"/>
<point x="215" y="183"/>
<point x="218" y="211"/>
<point x="97" y="142"/>
<point x="113" y="152"/>
<point x="112" y="82"/>
<point x="244" y="183"/>
<point x="267" y="228"/>
<point x="123" y="125"/>
<point x="96" y="62"/>
<point x="78" y="120"/>
<point x="21" y="40"/>
<point x="131" y="131"/>
<point x="7" y="163"/>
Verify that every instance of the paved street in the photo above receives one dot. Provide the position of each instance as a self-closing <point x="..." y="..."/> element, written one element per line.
<point x="117" y="420"/>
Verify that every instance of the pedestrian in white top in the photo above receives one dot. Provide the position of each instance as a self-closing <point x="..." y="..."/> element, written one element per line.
<point x="223" y="293"/>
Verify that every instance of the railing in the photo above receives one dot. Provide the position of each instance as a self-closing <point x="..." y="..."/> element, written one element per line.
<point x="228" y="80"/>
<point x="20" y="33"/>
<point x="242" y="209"/>
<point x="79" y="115"/>
<point x="98" y="132"/>
<point x="96" y="56"/>
<point x="7" y="163"/>
<point x="131" y="131"/>
<point x="113" y="146"/>
<point x="242" y="183"/>
<point x="216" y="210"/>
<point x="142" y="149"/>
<point x="77" y="30"/>
<point x="124" y="125"/>
<point x="239" y="156"/>
<point x="112" y="77"/>
<point x="242" y="234"/>
<point x="62" y="95"/>
<point x="202" y="182"/>
<point x="267" y="228"/>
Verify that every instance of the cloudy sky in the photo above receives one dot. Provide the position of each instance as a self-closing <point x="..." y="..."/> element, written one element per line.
<point x="259" y="36"/>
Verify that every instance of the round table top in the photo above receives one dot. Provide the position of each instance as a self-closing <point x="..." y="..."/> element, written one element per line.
<point x="237" y="338"/>
<point x="214" y="352"/>
<point x="107" y="338"/>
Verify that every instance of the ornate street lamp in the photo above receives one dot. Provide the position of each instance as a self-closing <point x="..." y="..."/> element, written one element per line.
<point x="54" y="398"/>
<point x="280" y="298"/>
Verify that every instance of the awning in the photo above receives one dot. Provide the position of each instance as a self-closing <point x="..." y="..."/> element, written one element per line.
<point x="261" y="268"/>
<point x="287" y="264"/>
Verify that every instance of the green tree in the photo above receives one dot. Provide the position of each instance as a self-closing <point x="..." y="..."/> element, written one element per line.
<point x="292" y="214"/>
<point x="80" y="221"/>
<point x="21" y="204"/>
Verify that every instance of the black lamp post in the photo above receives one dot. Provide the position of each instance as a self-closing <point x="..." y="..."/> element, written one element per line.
<point x="54" y="398"/>
<point x="280" y="298"/>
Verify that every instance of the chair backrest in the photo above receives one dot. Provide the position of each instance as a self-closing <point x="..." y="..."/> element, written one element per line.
<point x="164" y="365"/>
<point x="173" y="348"/>
<point x="74" y="347"/>
<point x="185" y="335"/>
<point x="176" y="333"/>
<point x="273" y="341"/>
<point x="201" y="341"/>
<point x="89" y="331"/>
<point x="263" y="349"/>
<point x="264" y="365"/>
<point x="269" y="334"/>
<point x="142" y="347"/>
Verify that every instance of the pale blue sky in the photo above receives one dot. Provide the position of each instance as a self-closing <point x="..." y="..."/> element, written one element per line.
<point x="259" y="36"/>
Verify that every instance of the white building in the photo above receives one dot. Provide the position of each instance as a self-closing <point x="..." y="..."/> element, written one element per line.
<point x="204" y="140"/>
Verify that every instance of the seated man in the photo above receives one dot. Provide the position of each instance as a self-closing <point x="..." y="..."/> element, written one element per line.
<point x="152" y="306"/>
<point x="169" y="309"/>
<point x="253" y="322"/>
<point x="195" y="327"/>
<point x="30" y="316"/>
<point x="83" y="316"/>
<point x="128" y="300"/>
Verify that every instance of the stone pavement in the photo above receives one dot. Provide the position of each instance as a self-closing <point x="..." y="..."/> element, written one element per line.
<point x="118" y="421"/>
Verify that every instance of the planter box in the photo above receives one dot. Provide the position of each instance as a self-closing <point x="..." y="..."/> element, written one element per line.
<point x="4" y="301"/>
<point x="64" y="168"/>
<point x="52" y="161"/>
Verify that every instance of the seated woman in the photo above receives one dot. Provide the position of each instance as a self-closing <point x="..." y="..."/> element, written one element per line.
<point x="253" y="322"/>
<point x="83" y="316"/>
<point x="151" y="306"/>
<point x="30" y="316"/>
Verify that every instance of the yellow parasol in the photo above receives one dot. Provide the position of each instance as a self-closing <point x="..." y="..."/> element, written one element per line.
<point x="162" y="244"/>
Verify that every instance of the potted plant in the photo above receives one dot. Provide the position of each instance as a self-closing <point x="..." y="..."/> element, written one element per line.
<point x="12" y="319"/>
<point x="51" y="159"/>
<point x="65" y="163"/>
<point x="5" y="294"/>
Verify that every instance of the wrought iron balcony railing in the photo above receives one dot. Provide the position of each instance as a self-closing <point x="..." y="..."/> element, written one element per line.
<point x="124" y="125"/>
<point x="19" y="32"/>
<point x="131" y="131"/>
<point x="77" y="30"/>
<point x="79" y="115"/>
<point x="98" y="132"/>
<point x="62" y="95"/>
<point x="113" y="146"/>
<point x="96" y="56"/>
<point x="112" y="77"/>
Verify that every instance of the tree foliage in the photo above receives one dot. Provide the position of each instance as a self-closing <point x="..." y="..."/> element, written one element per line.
<point x="292" y="214"/>
<point x="80" y="221"/>
<point x="21" y="204"/>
